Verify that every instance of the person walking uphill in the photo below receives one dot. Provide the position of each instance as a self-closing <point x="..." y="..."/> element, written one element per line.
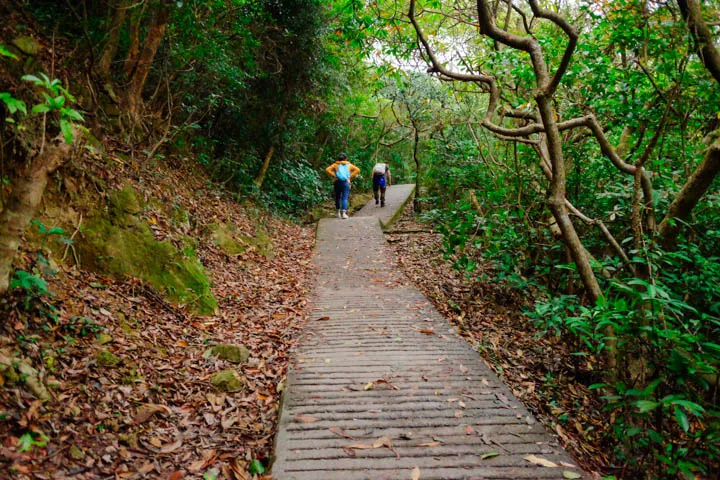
<point x="343" y="171"/>
<point x="380" y="180"/>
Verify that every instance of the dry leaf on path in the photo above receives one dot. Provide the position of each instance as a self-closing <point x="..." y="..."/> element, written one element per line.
<point x="306" y="419"/>
<point x="342" y="433"/>
<point x="360" y="446"/>
<point x="429" y="444"/>
<point x="382" y="442"/>
<point x="540" y="461"/>
<point x="415" y="473"/>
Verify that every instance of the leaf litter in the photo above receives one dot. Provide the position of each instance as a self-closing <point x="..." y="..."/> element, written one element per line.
<point x="156" y="413"/>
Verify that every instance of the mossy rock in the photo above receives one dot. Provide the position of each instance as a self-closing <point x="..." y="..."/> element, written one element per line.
<point x="224" y="237"/>
<point x="228" y="381"/>
<point x="124" y="202"/>
<point x="19" y="371"/>
<point x="104" y="339"/>
<point x="231" y="353"/>
<point x="76" y="453"/>
<point x="106" y="359"/>
<point x="27" y="45"/>
<point x="123" y="244"/>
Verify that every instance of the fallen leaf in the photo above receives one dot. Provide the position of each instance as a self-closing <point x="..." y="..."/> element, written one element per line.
<point x="429" y="444"/>
<point x="382" y="442"/>
<point x="369" y="386"/>
<point x="568" y="474"/>
<point x="172" y="447"/>
<point x="540" y="461"/>
<point x="469" y="430"/>
<point x="415" y="473"/>
<point x="340" y="432"/>
<point x="487" y="455"/>
<point x="323" y="319"/>
<point x="360" y="446"/>
<point x="428" y="331"/>
<point x="306" y="419"/>
<point x="177" y="475"/>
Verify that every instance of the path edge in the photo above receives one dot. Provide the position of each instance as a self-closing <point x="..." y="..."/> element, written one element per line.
<point x="399" y="212"/>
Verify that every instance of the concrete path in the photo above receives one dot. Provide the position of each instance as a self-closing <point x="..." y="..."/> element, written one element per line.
<point x="382" y="387"/>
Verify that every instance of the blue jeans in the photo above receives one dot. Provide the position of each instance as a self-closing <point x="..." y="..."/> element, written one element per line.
<point x="342" y="192"/>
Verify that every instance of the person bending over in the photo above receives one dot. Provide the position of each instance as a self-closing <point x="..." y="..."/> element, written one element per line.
<point x="343" y="171"/>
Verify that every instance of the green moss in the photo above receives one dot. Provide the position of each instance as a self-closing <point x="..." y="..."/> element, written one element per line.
<point x="223" y="237"/>
<point x="76" y="453"/>
<point x="106" y="359"/>
<point x="231" y="353"/>
<point x="263" y="242"/>
<point x="227" y="381"/>
<point x="124" y="202"/>
<point x="123" y="244"/>
<point x="27" y="45"/>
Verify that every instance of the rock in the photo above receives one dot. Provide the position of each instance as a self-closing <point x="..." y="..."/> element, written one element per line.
<point x="76" y="453"/>
<point x="106" y="359"/>
<point x="16" y="371"/>
<point x="104" y="339"/>
<point x="129" y="439"/>
<point x="228" y="381"/>
<point x="27" y="45"/>
<point x="231" y="353"/>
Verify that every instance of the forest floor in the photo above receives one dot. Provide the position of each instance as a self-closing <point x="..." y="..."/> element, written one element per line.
<point x="540" y="369"/>
<point x="150" y="408"/>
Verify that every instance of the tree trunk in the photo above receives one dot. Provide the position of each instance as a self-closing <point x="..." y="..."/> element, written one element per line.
<point x="416" y="198"/>
<point x="696" y="186"/>
<point x="709" y="55"/>
<point x="145" y="60"/>
<point x="134" y="51"/>
<point x="21" y="206"/>
<point x="556" y="199"/>
<point x="260" y="178"/>
<point x="113" y="41"/>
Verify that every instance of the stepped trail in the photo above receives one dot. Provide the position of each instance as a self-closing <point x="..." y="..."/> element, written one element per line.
<point x="382" y="386"/>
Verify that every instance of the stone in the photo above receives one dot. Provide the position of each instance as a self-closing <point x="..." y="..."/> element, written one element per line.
<point x="106" y="359"/>
<point x="32" y="380"/>
<point x="27" y="45"/>
<point x="129" y="439"/>
<point x="228" y="381"/>
<point x="76" y="453"/>
<point x="231" y="353"/>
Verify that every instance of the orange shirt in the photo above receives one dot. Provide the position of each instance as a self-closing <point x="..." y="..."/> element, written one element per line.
<point x="333" y="168"/>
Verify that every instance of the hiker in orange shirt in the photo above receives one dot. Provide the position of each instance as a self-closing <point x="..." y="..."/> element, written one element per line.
<point x="342" y="171"/>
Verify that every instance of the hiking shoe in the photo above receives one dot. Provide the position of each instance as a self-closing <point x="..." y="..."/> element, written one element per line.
<point x="377" y="201"/>
<point x="345" y="215"/>
<point x="382" y="204"/>
<point x="339" y="214"/>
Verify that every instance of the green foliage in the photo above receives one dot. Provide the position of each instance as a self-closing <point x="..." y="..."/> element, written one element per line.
<point x="4" y="52"/>
<point x="33" y="285"/>
<point x="31" y="439"/>
<point x="55" y="96"/>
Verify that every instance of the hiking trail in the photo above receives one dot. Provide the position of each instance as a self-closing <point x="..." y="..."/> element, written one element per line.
<point x="381" y="386"/>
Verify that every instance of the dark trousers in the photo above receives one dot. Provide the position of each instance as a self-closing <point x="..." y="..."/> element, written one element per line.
<point x="342" y="192"/>
<point x="377" y="188"/>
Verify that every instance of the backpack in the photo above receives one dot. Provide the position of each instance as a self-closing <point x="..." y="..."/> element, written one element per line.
<point x="343" y="172"/>
<point x="379" y="169"/>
